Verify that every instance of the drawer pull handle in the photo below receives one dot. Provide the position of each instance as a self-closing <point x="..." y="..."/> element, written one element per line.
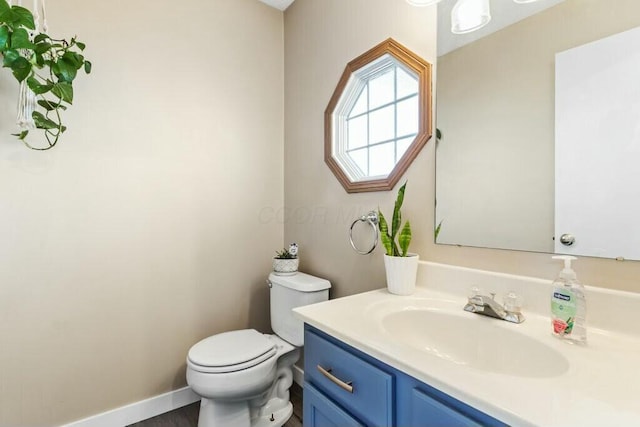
<point x="345" y="385"/>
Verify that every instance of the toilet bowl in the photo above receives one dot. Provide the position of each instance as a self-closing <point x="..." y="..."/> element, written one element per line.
<point x="244" y="376"/>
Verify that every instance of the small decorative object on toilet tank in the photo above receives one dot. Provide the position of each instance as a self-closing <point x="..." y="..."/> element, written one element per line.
<point x="293" y="249"/>
<point x="286" y="261"/>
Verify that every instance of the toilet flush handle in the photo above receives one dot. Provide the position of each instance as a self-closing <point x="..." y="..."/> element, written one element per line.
<point x="269" y="284"/>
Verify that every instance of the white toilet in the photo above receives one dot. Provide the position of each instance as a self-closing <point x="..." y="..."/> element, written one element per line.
<point x="244" y="376"/>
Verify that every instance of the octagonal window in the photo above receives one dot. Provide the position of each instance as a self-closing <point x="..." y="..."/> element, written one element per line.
<point x="378" y="118"/>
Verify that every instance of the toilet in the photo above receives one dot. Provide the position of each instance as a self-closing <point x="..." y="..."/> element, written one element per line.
<point x="244" y="376"/>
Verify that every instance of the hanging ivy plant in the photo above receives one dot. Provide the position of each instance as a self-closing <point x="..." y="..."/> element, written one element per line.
<point x="47" y="65"/>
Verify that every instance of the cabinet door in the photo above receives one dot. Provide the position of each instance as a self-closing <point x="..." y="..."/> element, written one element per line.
<point x="429" y="412"/>
<point x="319" y="411"/>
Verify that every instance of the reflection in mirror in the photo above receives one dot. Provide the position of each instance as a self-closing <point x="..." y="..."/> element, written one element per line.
<point x="378" y="118"/>
<point x="507" y="107"/>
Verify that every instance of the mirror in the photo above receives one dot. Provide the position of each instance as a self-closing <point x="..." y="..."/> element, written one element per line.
<point x="538" y="118"/>
<point x="379" y="117"/>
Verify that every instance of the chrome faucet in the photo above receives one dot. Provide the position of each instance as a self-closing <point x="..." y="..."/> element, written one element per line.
<point x="488" y="306"/>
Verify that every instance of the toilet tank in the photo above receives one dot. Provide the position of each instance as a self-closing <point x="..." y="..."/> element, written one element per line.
<point x="289" y="292"/>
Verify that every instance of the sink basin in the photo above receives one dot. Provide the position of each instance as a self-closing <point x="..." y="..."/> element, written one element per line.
<point x="474" y="341"/>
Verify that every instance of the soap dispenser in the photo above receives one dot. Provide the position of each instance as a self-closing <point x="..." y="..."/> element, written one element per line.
<point x="568" y="305"/>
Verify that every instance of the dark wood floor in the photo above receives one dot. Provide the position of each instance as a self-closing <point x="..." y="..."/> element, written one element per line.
<point x="188" y="415"/>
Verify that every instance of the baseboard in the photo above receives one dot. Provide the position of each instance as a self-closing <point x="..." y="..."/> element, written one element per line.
<point x="139" y="411"/>
<point x="149" y="408"/>
<point x="298" y="375"/>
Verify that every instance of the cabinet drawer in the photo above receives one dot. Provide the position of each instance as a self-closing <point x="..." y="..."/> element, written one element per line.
<point x="371" y="396"/>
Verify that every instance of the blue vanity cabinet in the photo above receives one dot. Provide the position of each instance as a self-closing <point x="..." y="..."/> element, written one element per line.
<point x="345" y="387"/>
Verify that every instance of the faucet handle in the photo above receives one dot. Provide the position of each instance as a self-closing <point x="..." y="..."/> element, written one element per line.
<point x="474" y="291"/>
<point x="513" y="302"/>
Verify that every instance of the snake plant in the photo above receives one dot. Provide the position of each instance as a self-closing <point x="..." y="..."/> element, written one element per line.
<point x="403" y="234"/>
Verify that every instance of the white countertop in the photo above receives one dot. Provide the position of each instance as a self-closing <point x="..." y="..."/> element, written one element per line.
<point x="601" y="386"/>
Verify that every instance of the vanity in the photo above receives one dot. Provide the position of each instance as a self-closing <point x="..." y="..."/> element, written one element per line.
<point x="376" y="359"/>
<point x="385" y="396"/>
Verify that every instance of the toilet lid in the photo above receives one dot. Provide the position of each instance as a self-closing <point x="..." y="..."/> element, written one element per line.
<point x="229" y="350"/>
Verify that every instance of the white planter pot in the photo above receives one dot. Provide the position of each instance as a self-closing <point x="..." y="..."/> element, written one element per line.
<point x="285" y="267"/>
<point x="401" y="273"/>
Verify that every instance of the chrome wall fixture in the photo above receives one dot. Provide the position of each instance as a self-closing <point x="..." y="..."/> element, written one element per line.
<point x="370" y="218"/>
<point x="467" y="15"/>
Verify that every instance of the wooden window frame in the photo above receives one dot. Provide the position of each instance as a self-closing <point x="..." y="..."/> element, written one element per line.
<point x="423" y="70"/>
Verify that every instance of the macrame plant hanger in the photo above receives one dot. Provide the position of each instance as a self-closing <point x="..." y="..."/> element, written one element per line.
<point x="27" y="99"/>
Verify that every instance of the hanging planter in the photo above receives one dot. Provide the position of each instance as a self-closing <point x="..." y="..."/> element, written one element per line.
<point x="45" y="68"/>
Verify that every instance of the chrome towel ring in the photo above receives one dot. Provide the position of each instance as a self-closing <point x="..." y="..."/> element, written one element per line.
<point x="372" y="219"/>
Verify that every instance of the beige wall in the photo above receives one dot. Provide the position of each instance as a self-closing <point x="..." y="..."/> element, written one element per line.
<point x="320" y="38"/>
<point x="141" y="233"/>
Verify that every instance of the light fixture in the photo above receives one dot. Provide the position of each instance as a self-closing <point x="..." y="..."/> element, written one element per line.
<point x="467" y="15"/>
<point x="421" y="3"/>
<point x="470" y="15"/>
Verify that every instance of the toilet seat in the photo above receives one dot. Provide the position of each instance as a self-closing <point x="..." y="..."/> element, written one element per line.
<point x="231" y="351"/>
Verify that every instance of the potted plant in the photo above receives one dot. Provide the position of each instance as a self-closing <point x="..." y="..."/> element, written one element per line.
<point x="44" y="66"/>
<point x="285" y="263"/>
<point x="400" y="265"/>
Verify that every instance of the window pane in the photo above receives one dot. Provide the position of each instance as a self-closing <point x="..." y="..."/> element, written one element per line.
<point x="408" y="117"/>
<point x="382" y="125"/>
<point x="357" y="132"/>
<point x="361" y="104"/>
<point x="381" y="159"/>
<point x="381" y="90"/>
<point x="407" y="84"/>
<point x="403" y="145"/>
<point x="360" y="159"/>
